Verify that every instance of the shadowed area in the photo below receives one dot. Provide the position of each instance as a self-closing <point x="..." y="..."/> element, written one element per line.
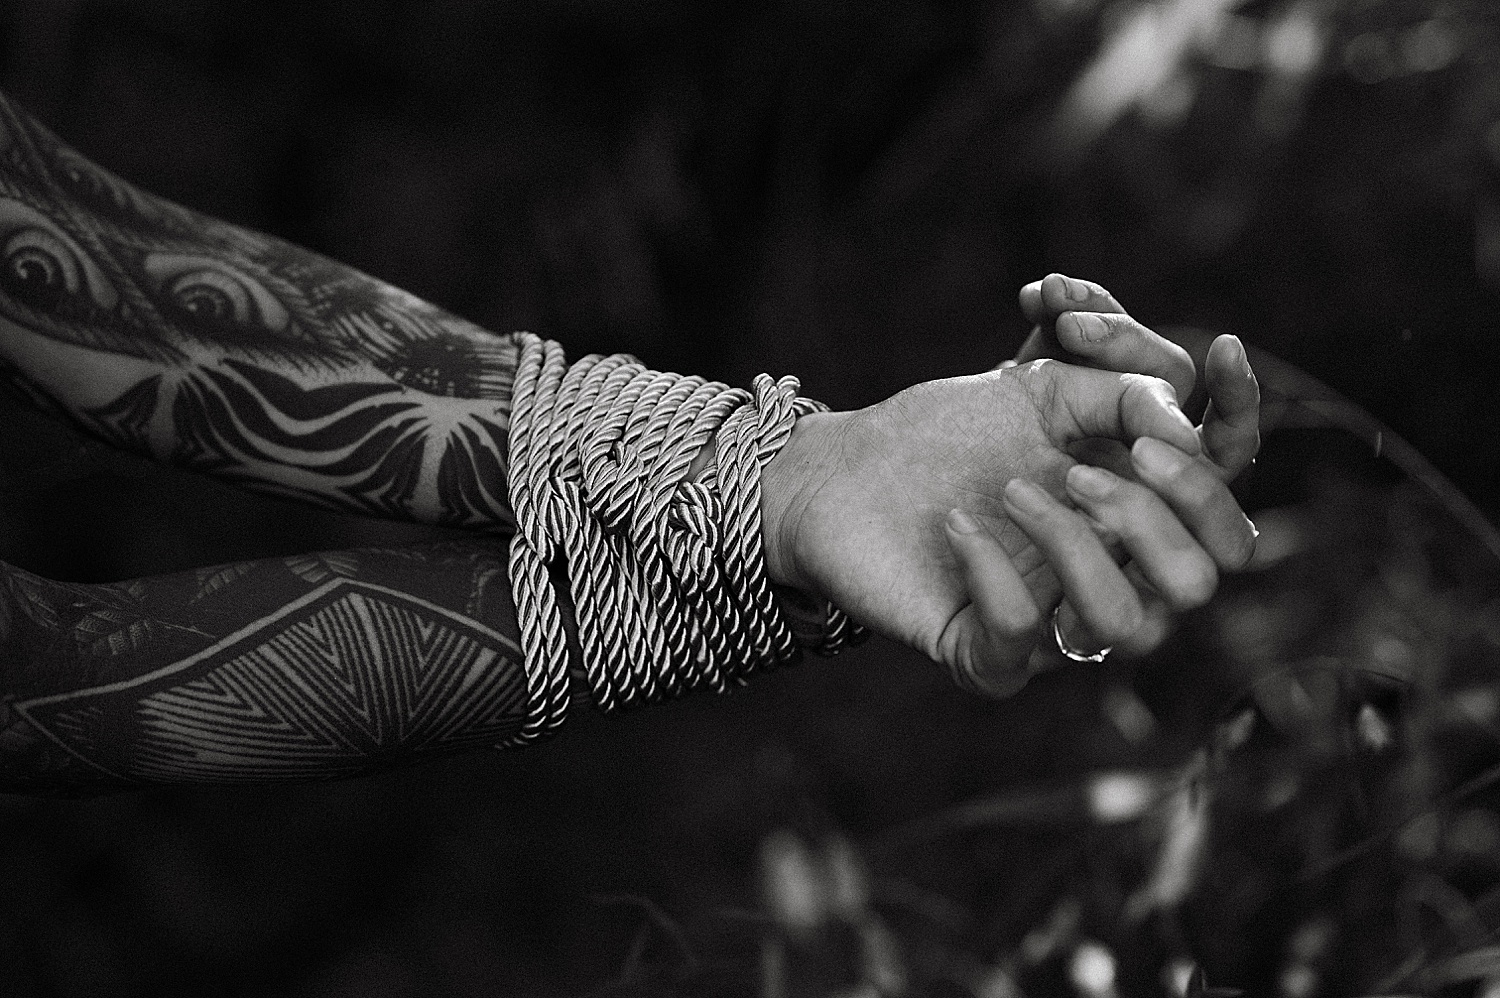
<point x="1295" y="796"/>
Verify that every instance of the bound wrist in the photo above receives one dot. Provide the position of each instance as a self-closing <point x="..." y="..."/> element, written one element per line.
<point x="789" y="483"/>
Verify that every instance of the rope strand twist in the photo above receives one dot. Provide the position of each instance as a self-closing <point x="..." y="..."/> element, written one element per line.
<point x="666" y="575"/>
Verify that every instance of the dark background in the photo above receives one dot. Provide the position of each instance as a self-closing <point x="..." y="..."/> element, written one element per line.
<point x="849" y="192"/>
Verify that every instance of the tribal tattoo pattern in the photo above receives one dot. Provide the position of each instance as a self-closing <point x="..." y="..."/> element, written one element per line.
<point x="235" y="353"/>
<point x="309" y="667"/>
<point x="226" y="351"/>
<point x="370" y="447"/>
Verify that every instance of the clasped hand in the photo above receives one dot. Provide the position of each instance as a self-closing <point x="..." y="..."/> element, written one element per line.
<point x="956" y="516"/>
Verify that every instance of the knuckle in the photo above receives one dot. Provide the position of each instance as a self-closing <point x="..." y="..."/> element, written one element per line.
<point x="1144" y="382"/>
<point x="1160" y="387"/>
<point x="1041" y="371"/>
<point x="1149" y="386"/>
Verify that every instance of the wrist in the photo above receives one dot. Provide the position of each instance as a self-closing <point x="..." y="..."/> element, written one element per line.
<point x="789" y="483"/>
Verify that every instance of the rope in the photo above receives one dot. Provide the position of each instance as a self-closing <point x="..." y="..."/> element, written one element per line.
<point x="666" y="575"/>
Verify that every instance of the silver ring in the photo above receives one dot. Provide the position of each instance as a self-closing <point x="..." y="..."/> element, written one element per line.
<point x="1068" y="650"/>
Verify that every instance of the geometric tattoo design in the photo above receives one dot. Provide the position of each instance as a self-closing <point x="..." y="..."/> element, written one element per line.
<point x="309" y="692"/>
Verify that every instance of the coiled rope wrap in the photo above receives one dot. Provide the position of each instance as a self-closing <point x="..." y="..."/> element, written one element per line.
<point x="666" y="575"/>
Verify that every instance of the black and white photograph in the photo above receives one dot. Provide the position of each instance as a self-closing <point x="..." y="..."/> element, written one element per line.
<point x="660" y="499"/>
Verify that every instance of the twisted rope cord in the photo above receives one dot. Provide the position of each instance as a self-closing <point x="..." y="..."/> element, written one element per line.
<point x="667" y="576"/>
<point x="546" y="687"/>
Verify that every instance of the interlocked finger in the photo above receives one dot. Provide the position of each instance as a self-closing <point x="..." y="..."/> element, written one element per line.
<point x="1196" y="492"/>
<point x="1094" y="584"/>
<point x="1081" y="322"/>
<point x="1166" y="554"/>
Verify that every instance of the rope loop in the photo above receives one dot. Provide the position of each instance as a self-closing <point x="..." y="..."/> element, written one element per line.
<point x="665" y="575"/>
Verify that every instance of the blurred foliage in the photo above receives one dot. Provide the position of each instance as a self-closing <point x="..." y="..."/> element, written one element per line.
<point x="1297" y="796"/>
<point x="1315" y="814"/>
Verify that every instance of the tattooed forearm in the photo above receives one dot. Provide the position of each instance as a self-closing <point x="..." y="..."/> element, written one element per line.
<point x="309" y="667"/>
<point x="175" y="334"/>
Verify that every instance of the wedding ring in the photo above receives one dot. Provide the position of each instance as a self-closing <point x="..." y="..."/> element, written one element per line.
<point x="1068" y="650"/>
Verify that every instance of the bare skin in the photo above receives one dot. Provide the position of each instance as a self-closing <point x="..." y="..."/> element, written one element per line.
<point x="966" y="545"/>
<point x="236" y="354"/>
<point x="1080" y="322"/>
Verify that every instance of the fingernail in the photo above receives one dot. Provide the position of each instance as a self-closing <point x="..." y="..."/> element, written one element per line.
<point x="1092" y="327"/>
<point x="961" y="522"/>
<point x="1027" y="498"/>
<point x="1090" y="482"/>
<point x="1156" y="458"/>
<point x="1075" y="290"/>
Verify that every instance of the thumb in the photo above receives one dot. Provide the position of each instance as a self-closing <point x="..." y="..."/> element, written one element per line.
<point x="1231" y="426"/>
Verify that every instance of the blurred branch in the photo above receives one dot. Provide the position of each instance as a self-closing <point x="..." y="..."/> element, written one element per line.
<point x="1292" y="385"/>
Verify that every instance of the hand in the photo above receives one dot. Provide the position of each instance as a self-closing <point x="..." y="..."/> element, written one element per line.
<point x="1081" y="322"/>
<point x="909" y="514"/>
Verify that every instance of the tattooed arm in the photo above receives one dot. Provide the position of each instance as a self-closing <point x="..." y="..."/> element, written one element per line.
<point x="174" y="334"/>
<point x="171" y="333"/>
<point x="310" y="667"/>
